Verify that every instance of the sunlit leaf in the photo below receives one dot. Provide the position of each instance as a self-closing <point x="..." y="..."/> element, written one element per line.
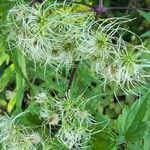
<point x="7" y="76"/>
<point x="146" y="15"/>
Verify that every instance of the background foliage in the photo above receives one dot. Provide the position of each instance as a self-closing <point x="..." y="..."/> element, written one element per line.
<point x="125" y="127"/>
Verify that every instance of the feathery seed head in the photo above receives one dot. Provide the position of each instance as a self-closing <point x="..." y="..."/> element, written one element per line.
<point x="76" y="124"/>
<point x="47" y="34"/>
<point x="14" y="136"/>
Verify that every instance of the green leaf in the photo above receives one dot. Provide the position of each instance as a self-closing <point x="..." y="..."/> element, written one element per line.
<point x="121" y="121"/>
<point x="21" y="76"/>
<point x="31" y="119"/>
<point x="136" y="146"/>
<point x="146" y="34"/>
<point x="4" y="58"/>
<point x="7" y="76"/>
<point x="138" y="133"/>
<point x="20" y="81"/>
<point x="3" y="102"/>
<point x="145" y="15"/>
<point x="105" y="140"/>
<point x="146" y="144"/>
<point x="130" y="123"/>
<point x="137" y="112"/>
<point x="11" y="104"/>
<point x="5" y="5"/>
<point x="19" y="92"/>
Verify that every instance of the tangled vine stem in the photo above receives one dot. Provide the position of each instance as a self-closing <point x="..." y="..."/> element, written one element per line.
<point x="72" y="76"/>
<point x="76" y="64"/>
<point x="125" y="8"/>
<point x="102" y="9"/>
